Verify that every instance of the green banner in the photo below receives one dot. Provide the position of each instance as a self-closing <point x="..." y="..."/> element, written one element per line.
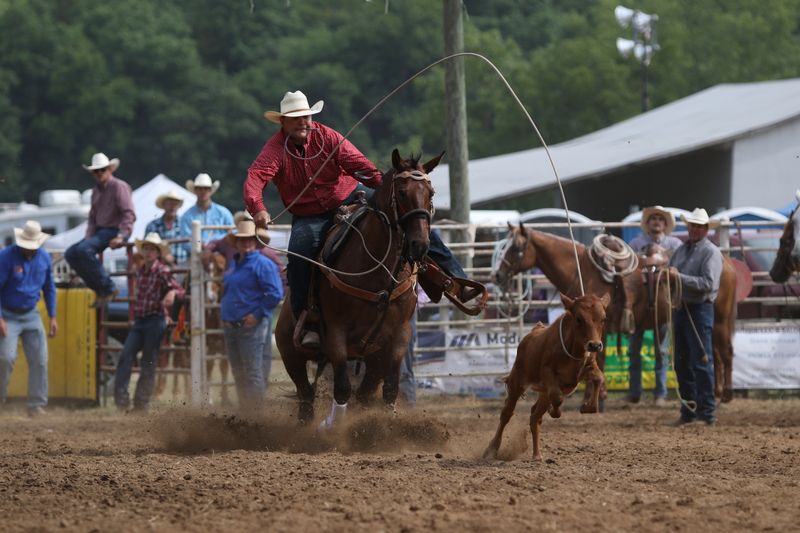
<point x="616" y="370"/>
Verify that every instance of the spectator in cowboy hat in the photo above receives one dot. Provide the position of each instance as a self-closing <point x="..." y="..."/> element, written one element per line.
<point x="156" y="290"/>
<point x="227" y="247"/>
<point x="110" y="224"/>
<point x="251" y="290"/>
<point x="168" y="226"/>
<point x="207" y="212"/>
<point x="288" y="159"/>
<point x="25" y="273"/>
<point x="698" y="265"/>
<point x="657" y="225"/>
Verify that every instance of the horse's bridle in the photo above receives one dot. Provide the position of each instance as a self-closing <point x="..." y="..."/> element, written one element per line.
<point x="520" y="253"/>
<point x="416" y="175"/>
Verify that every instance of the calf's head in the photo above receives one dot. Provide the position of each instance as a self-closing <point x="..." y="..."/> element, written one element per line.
<point x="589" y="316"/>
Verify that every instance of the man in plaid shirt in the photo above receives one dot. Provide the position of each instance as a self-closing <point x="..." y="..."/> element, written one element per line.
<point x="156" y="290"/>
<point x="168" y="226"/>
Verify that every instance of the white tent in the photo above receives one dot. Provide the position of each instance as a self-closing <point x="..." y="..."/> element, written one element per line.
<point x="144" y="201"/>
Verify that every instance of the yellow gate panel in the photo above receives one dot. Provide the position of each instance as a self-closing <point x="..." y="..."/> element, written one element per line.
<point x="71" y="365"/>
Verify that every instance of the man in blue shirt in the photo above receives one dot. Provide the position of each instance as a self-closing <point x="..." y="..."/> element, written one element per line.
<point x="25" y="273"/>
<point x="252" y="290"/>
<point x="207" y="212"/>
<point x="167" y="226"/>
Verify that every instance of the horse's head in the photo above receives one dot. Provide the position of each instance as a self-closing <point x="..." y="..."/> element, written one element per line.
<point x="589" y="314"/>
<point x="410" y="200"/>
<point x="215" y="268"/>
<point x="519" y="255"/>
<point x="788" y="258"/>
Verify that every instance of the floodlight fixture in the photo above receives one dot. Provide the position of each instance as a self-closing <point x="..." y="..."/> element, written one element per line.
<point x="644" y="43"/>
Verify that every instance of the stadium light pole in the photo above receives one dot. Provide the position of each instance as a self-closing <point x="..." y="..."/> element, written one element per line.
<point x="643" y="44"/>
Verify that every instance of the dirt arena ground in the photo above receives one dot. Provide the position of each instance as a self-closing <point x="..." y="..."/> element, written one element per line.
<point x="178" y="470"/>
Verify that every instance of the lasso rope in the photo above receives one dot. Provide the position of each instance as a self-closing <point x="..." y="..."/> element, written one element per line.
<point x="392" y="93"/>
<point x="674" y="303"/>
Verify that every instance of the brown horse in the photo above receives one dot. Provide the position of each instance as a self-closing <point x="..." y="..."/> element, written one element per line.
<point x="787" y="261"/>
<point x="367" y="314"/>
<point x="555" y="257"/>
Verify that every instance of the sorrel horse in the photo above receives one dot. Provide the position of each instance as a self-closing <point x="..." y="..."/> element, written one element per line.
<point x="367" y="314"/>
<point x="788" y="259"/>
<point x="555" y="257"/>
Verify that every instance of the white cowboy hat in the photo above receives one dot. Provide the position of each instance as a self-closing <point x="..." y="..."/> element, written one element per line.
<point x="171" y="195"/>
<point x="658" y="210"/>
<point x="202" y="180"/>
<point x="247" y="228"/>
<point x="699" y="216"/>
<point x="30" y="237"/>
<point x="294" y="105"/>
<point x="101" y="160"/>
<point x="153" y="238"/>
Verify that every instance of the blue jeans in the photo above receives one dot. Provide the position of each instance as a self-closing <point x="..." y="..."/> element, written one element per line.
<point x="306" y="239"/>
<point x="245" y="348"/>
<point x="408" y="384"/>
<point x="145" y="336"/>
<point x="695" y="376"/>
<point x="635" y="368"/>
<point x="82" y="257"/>
<point x="267" y="362"/>
<point x="34" y="343"/>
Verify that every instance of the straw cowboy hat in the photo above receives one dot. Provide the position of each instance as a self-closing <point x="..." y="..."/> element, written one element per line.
<point x="171" y="195"/>
<point x="153" y="238"/>
<point x="31" y="236"/>
<point x="658" y="210"/>
<point x="202" y="180"/>
<point x="241" y="215"/>
<point x="294" y="105"/>
<point x="247" y="228"/>
<point x="101" y="160"/>
<point x="699" y="216"/>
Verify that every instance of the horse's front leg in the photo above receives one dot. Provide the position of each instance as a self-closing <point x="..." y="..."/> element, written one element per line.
<point x="342" y="389"/>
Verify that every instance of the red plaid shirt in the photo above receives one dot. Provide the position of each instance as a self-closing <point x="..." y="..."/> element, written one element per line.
<point x="151" y="286"/>
<point x="290" y="174"/>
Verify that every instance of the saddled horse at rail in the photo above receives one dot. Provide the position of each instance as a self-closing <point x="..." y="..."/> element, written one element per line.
<point x="787" y="261"/>
<point x="367" y="314"/>
<point x="555" y="257"/>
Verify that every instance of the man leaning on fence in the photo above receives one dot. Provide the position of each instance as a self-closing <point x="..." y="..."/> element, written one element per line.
<point x="656" y="243"/>
<point x="156" y="290"/>
<point x="25" y="273"/>
<point x="168" y="226"/>
<point x="208" y="212"/>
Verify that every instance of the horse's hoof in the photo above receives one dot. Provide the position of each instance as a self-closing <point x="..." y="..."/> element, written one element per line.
<point x="727" y="395"/>
<point x="306" y="412"/>
<point x="588" y="409"/>
<point x="490" y="454"/>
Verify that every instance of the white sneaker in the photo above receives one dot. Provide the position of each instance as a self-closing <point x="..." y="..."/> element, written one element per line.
<point x="310" y="340"/>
